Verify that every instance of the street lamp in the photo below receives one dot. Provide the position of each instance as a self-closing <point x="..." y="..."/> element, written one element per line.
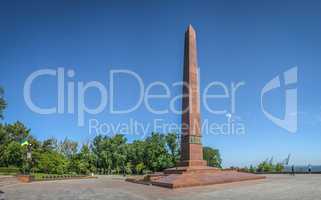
<point x="29" y="157"/>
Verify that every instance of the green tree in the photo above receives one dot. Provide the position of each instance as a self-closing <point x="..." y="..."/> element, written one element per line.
<point x="118" y="152"/>
<point x="50" y="145"/>
<point x="279" y="167"/>
<point x="265" y="167"/>
<point x="157" y="157"/>
<point x="97" y="149"/>
<point x="101" y="147"/>
<point x="110" y="153"/>
<point x="49" y="159"/>
<point x="68" y="148"/>
<point x="11" y="136"/>
<point x="128" y="168"/>
<point x="136" y="152"/>
<point x="17" y="132"/>
<point x="212" y="156"/>
<point x="139" y="168"/>
<point x="86" y="160"/>
<point x="53" y="163"/>
<point x="173" y="146"/>
<point x="252" y="169"/>
<point x="13" y="155"/>
<point x="3" y="103"/>
<point x="3" y="143"/>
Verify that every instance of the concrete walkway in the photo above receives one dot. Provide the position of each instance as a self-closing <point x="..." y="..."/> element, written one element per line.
<point x="301" y="187"/>
<point x="8" y="180"/>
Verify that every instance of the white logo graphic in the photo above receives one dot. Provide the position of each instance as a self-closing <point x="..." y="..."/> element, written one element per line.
<point x="290" y="120"/>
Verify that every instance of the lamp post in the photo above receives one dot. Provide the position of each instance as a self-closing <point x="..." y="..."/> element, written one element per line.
<point x="29" y="157"/>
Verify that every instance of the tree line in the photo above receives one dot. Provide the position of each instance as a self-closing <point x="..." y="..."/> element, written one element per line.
<point x="266" y="166"/>
<point x="103" y="155"/>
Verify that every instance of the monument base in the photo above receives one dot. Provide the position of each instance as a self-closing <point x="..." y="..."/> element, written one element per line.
<point x="191" y="170"/>
<point x="188" y="177"/>
<point x="179" y="177"/>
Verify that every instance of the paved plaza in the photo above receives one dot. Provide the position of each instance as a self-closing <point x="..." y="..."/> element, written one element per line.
<point x="301" y="187"/>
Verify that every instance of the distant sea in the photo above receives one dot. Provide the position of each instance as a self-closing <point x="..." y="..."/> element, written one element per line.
<point x="302" y="168"/>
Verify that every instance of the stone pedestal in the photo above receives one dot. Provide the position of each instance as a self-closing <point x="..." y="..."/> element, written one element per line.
<point x="201" y="177"/>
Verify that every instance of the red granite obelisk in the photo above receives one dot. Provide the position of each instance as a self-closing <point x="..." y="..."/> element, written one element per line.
<point x="192" y="169"/>
<point x="191" y="147"/>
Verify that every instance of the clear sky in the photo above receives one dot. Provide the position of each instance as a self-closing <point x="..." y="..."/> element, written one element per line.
<point x="238" y="41"/>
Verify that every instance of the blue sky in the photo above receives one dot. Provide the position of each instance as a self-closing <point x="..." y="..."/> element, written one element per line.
<point x="249" y="41"/>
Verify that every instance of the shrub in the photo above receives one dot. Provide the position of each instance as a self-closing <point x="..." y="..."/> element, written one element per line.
<point x="139" y="168"/>
<point x="279" y="167"/>
<point x="9" y="170"/>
